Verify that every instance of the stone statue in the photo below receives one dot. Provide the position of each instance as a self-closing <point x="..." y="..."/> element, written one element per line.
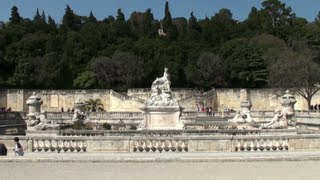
<point x="243" y="116"/>
<point x="161" y="110"/>
<point x="44" y="123"/>
<point x="282" y="118"/>
<point x="79" y="115"/>
<point x="161" y="92"/>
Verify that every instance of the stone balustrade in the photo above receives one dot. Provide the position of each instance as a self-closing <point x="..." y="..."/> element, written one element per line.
<point x="164" y="145"/>
<point x="58" y="145"/>
<point x="273" y="144"/>
<point x="175" y="141"/>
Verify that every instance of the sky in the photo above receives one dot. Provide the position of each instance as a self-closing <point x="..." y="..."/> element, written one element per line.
<point x="178" y="8"/>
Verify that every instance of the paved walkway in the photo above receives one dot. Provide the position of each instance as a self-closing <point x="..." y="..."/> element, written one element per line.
<point x="164" y="157"/>
<point x="267" y="170"/>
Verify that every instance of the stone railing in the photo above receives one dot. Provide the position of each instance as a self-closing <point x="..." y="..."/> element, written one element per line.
<point x="272" y="144"/>
<point x="58" y="145"/>
<point x="164" y="145"/>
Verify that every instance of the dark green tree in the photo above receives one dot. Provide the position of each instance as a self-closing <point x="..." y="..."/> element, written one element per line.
<point x="15" y="16"/>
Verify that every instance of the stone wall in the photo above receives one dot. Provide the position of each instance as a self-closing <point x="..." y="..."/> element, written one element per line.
<point x="218" y="99"/>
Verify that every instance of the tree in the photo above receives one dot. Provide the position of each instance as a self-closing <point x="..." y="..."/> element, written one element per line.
<point x="168" y="27"/>
<point x="15" y="16"/>
<point x="94" y="105"/>
<point x="92" y="18"/>
<point x="167" y="20"/>
<point x="207" y="72"/>
<point x="52" y="25"/>
<point x="71" y="20"/>
<point x="244" y="63"/>
<point x="84" y="80"/>
<point x="122" y="71"/>
<point x="296" y="70"/>
<point x="223" y="26"/>
<point x="194" y="29"/>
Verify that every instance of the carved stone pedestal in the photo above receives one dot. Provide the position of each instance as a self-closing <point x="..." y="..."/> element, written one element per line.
<point x="161" y="118"/>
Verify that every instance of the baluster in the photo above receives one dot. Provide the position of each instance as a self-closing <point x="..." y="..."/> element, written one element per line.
<point x="173" y="145"/>
<point x="237" y="145"/>
<point x="47" y="145"/>
<point x="54" y="145"/>
<point x="144" y="145"/>
<point x="60" y="146"/>
<point x="183" y="146"/>
<point x="251" y="146"/>
<point x="273" y="143"/>
<point x="264" y="144"/>
<point x="157" y="145"/>
<point x="245" y="145"/>
<point x="286" y="146"/>
<point x="140" y="148"/>
<point x="277" y="145"/>
<point x="41" y="145"/>
<point x="135" y="144"/>
<point x="73" y="145"/>
<point x="35" y="145"/>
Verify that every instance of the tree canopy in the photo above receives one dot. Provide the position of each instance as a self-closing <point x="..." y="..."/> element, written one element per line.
<point x="272" y="47"/>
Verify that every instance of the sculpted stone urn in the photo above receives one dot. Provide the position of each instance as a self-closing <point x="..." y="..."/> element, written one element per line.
<point x="245" y="107"/>
<point x="287" y="101"/>
<point x="161" y="110"/>
<point x="34" y="102"/>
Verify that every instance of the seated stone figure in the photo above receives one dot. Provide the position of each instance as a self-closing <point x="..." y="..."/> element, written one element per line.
<point x="281" y="119"/>
<point x="161" y="92"/>
<point x="44" y="123"/>
<point x="79" y="116"/>
<point x="242" y="118"/>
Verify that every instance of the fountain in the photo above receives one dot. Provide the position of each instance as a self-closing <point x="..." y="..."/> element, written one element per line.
<point x="163" y="126"/>
<point x="161" y="111"/>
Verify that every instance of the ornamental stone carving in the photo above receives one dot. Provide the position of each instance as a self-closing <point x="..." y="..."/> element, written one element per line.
<point x="34" y="102"/>
<point x="161" y="92"/>
<point x="44" y="123"/>
<point x="161" y="110"/>
<point x="243" y="119"/>
<point x="79" y="115"/>
<point x="283" y="117"/>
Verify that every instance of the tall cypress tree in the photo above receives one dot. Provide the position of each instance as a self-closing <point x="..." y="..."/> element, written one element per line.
<point x="92" y="18"/>
<point x="37" y="17"/>
<point x="167" y="20"/>
<point x="120" y="15"/>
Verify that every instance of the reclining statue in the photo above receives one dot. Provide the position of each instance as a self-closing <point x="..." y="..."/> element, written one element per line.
<point x="281" y="119"/>
<point x="44" y="123"/>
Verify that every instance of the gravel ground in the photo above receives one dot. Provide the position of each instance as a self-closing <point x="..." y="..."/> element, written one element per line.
<point x="269" y="170"/>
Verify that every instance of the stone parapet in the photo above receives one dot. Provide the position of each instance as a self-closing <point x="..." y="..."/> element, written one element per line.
<point x="173" y="141"/>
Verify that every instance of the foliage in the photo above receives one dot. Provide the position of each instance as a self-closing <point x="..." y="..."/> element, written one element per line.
<point x="106" y="126"/>
<point x="120" y="53"/>
<point x="94" y="105"/>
